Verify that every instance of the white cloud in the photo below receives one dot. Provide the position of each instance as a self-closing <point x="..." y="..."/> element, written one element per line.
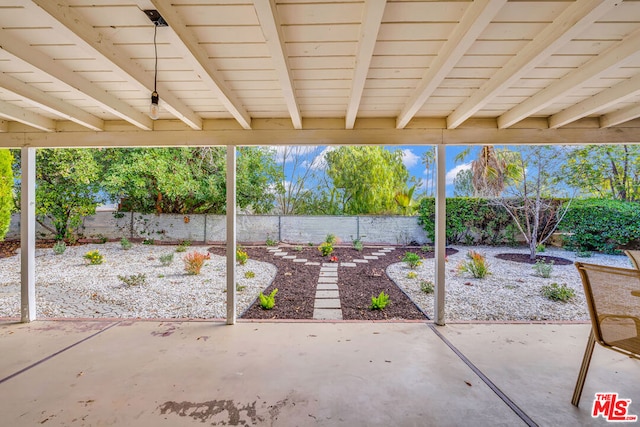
<point x="409" y="158"/>
<point x="454" y="172"/>
<point x="320" y="161"/>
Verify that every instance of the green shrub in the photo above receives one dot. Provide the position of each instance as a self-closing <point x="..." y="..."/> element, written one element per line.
<point x="94" y="257"/>
<point x="331" y="238"/>
<point x="249" y="274"/>
<point x="558" y="293"/>
<point x="125" y="244"/>
<point x="59" y="247"/>
<point x="412" y="275"/>
<point x="357" y="244"/>
<point x="271" y="242"/>
<point x="267" y="302"/>
<point x="134" y="279"/>
<point x="541" y="248"/>
<point x="181" y="248"/>
<point x="476" y="265"/>
<point x="427" y="286"/>
<point x="543" y="269"/>
<point x="379" y="302"/>
<point x="6" y="191"/>
<point x="412" y="260"/>
<point x="601" y="225"/>
<point x="325" y="248"/>
<point x="241" y="257"/>
<point x="166" y="259"/>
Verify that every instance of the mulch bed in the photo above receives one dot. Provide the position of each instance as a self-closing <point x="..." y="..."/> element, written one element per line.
<point x="525" y="259"/>
<point x="296" y="284"/>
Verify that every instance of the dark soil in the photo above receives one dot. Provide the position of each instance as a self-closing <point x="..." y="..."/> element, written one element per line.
<point x="296" y="284"/>
<point x="525" y="259"/>
<point x="9" y="248"/>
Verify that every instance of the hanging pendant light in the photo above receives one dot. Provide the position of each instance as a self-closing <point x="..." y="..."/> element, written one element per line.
<point x="158" y="21"/>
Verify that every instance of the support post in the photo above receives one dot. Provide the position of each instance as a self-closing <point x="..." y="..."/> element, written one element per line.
<point x="231" y="235"/>
<point x="441" y="235"/>
<point x="28" y="235"/>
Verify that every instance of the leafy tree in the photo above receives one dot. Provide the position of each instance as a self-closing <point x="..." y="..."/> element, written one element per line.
<point x="365" y="179"/>
<point x="297" y="165"/>
<point x="67" y="188"/>
<point x="6" y="192"/>
<point x="463" y="184"/>
<point x="188" y="180"/>
<point x="606" y="171"/>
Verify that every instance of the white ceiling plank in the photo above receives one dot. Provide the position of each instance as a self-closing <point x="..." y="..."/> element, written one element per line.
<point x="570" y="23"/>
<point x="598" y="102"/>
<point x="109" y="102"/>
<point x="620" y="116"/>
<point x="477" y="16"/>
<point x="26" y="117"/>
<point x="71" y="23"/>
<point x="50" y="103"/>
<point x="371" y="20"/>
<point x="196" y="55"/>
<point x="612" y="58"/>
<point x="274" y="35"/>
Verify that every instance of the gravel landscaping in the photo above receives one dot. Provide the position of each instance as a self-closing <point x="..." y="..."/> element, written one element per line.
<point x="68" y="287"/>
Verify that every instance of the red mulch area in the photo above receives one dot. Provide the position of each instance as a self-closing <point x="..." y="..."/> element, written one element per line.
<point x="297" y="283"/>
<point x="9" y="248"/>
<point x="525" y="259"/>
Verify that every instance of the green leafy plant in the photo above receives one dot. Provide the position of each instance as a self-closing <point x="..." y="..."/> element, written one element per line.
<point x="59" y="247"/>
<point x="412" y="260"/>
<point x="427" y="248"/>
<point x="379" y="302"/>
<point x="148" y="242"/>
<point x="94" y="257"/>
<point x="134" y="279"/>
<point x="583" y="254"/>
<point x="475" y="264"/>
<point x="331" y="238"/>
<point x="271" y="242"/>
<point x="6" y="191"/>
<point x="357" y="244"/>
<point x="558" y="292"/>
<point x="541" y="248"/>
<point x="241" y="257"/>
<point x="181" y="248"/>
<point x="102" y="239"/>
<point x="543" y="269"/>
<point x="166" y="259"/>
<point x="297" y="248"/>
<point x="240" y="288"/>
<point x="125" y="244"/>
<point x="326" y="248"/>
<point x="427" y="286"/>
<point x="249" y="274"/>
<point x="267" y="302"/>
<point x="412" y="275"/>
<point x="193" y="262"/>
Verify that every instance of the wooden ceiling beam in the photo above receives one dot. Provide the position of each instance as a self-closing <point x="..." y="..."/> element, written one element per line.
<point x="274" y="36"/>
<point x="72" y="24"/>
<point x="475" y="19"/>
<point x="575" y="19"/>
<point x="612" y="58"/>
<point x="29" y="118"/>
<point x="620" y="116"/>
<point x="369" y="27"/>
<point x="50" y="103"/>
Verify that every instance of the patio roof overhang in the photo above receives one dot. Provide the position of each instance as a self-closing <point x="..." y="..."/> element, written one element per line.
<point x="299" y="72"/>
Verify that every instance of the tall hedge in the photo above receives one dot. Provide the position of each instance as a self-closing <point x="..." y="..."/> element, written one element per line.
<point x="602" y="225"/>
<point x="6" y="191"/>
<point x="469" y="221"/>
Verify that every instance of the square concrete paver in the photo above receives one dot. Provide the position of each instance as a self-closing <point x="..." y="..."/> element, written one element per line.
<point x="327" y="280"/>
<point x="370" y="257"/>
<point x="331" y="273"/>
<point x="363" y="261"/>
<point x="326" y="287"/>
<point x="327" y="314"/>
<point x="327" y="294"/>
<point x="300" y="260"/>
<point x="327" y="303"/>
<point x="347" y="264"/>
<point x="378" y="253"/>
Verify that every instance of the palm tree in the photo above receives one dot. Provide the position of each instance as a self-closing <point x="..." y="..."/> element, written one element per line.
<point x="492" y="170"/>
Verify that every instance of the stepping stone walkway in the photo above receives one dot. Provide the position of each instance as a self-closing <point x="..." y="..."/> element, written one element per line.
<point x="327" y="300"/>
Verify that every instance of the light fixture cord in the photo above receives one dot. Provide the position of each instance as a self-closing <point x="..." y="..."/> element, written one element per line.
<point x="155" y="48"/>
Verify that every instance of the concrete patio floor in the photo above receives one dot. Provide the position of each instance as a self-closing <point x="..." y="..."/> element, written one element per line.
<point x="158" y="373"/>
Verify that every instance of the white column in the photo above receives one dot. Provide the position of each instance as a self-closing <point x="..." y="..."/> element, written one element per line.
<point x="231" y="235"/>
<point x="441" y="236"/>
<point x="28" y="235"/>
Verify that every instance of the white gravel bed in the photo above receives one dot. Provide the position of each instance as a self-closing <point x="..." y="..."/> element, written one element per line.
<point x="67" y="287"/>
<point x="512" y="292"/>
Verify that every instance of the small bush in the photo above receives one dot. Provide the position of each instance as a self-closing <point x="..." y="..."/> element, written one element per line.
<point x="134" y="279"/>
<point x="427" y="248"/>
<point x="412" y="275"/>
<point x="297" y="248"/>
<point x="166" y="259"/>
<point x="148" y="242"/>
<point x="543" y="269"/>
<point x="583" y="254"/>
<point x="379" y="302"/>
<point x="267" y="302"/>
<point x="181" y="248"/>
<point x="193" y="262"/>
<point x="326" y="248"/>
<point x="249" y="275"/>
<point x="476" y="265"/>
<point x="241" y="257"/>
<point x="427" y="286"/>
<point x="541" y="248"/>
<point x="331" y="238"/>
<point x="94" y="257"/>
<point x="558" y="293"/>
<point x="412" y="260"/>
<point x="271" y="242"/>
<point x="125" y="244"/>
<point x="357" y="244"/>
<point x="59" y="247"/>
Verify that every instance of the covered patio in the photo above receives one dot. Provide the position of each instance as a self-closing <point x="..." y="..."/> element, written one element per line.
<point x="237" y="73"/>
